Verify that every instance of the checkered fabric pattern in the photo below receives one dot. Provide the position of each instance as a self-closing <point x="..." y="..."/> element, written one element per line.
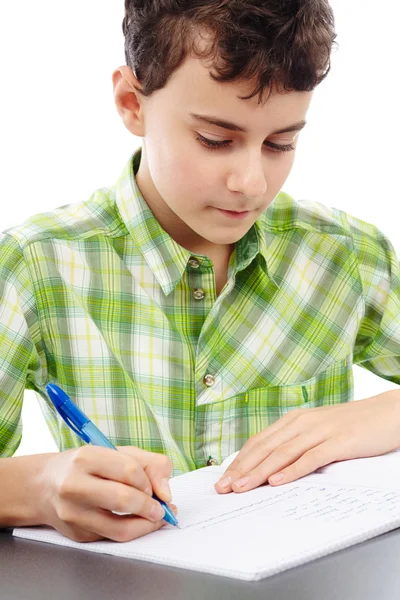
<point x="96" y="297"/>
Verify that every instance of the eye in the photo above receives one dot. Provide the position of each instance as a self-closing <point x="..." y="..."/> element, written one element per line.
<point x="213" y="145"/>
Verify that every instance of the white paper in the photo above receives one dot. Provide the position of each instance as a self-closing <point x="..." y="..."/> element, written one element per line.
<point x="255" y="534"/>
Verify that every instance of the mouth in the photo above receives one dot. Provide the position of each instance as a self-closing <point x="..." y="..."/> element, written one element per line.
<point x="233" y="214"/>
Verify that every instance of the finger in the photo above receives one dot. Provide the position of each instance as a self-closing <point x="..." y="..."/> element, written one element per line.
<point x="142" y="469"/>
<point x="76" y="533"/>
<point x="111" y="496"/>
<point x="112" y="465"/>
<point x="113" y="527"/>
<point x="280" y="458"/>
<point x="313" y="459"/>
<point x="289" y="417"/>
<point x="158" y="468"/>
<point x="260" y="451"/>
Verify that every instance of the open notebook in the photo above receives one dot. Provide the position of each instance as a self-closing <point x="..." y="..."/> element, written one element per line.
<point x="256" y="534"/>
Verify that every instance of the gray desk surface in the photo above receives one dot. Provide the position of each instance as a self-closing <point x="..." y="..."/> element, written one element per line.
<point x="36" y="571"/>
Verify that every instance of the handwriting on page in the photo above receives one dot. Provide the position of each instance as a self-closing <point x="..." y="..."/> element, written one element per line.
<point x="338" y="503"/>
<point x="297" y="501"/>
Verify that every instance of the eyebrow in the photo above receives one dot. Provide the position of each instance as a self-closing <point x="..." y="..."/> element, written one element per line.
<point x="233" y="127"/>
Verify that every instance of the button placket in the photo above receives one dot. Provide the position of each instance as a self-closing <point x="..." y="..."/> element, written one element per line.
<point x="198" y="293"/>
<point x="195" y="279"/>
<point x="200" y="301"/>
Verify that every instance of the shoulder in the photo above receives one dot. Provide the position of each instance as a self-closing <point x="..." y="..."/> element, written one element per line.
<point x="286" y="213"/>
<point x="77" y="221"/>
<point x="332" y="231"/>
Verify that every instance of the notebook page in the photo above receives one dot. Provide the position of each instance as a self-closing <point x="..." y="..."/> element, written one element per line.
<point x="257" y="533"/>
<point x="377" y="470"/>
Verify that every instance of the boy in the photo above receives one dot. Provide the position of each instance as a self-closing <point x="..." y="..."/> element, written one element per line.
<point x="193" y="309"/>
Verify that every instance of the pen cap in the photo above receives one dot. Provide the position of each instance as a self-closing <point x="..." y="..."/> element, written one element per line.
<point x="66" y="408"/>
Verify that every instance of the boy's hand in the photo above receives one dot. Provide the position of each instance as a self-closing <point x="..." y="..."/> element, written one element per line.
<point x="81" y="487"/>
<point x="306" y="439"/>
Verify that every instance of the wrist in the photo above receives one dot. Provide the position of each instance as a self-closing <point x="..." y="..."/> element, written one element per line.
<point x="21" y="501"/>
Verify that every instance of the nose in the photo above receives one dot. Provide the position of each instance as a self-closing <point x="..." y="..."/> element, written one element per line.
<point x="248" y="178"/>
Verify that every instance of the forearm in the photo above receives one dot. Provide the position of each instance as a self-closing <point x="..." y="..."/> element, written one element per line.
<point x="20" y="490"/>
<point x="393" y="394"/>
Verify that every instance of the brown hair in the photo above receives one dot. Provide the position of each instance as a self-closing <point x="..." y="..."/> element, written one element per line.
<point x="282" y="42"/>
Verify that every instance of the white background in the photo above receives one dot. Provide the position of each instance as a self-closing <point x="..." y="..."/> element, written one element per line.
<point x="62" y="138"/>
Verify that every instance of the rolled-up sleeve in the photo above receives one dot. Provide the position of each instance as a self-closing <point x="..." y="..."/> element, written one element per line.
<point x="22" y="359"/>
<point x="377" y="346"/>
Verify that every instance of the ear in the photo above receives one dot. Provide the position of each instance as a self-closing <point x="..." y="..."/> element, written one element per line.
<point x="128" y="100"/>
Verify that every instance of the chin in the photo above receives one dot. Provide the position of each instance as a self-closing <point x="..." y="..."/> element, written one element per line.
<point x="225" y="240"/>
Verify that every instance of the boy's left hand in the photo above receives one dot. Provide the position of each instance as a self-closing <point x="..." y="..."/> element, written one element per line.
<point x="308" y="438"/>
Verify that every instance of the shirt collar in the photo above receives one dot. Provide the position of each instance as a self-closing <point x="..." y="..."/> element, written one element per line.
<point x="165" y="257"/>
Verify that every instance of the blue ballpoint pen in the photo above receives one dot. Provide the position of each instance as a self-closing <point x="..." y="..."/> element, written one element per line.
<point x="88" y="431"/>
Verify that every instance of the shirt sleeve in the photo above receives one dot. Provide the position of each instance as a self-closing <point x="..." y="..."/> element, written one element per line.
<point x="22" y="359"/>
<point x="377" y="346"/>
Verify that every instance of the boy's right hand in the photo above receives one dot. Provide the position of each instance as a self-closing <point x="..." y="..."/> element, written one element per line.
<point x="80" y="488"/>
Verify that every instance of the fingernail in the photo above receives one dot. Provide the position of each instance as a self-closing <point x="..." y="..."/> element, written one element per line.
<point x="242" y="482"/>
<point x="157" y="512"/>
<point x="275" y="478"/>
<point x="164" y="484"/>
<point x="225" y="481"/>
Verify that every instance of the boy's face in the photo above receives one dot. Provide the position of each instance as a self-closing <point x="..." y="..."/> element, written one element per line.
<point x="186" y="185"/>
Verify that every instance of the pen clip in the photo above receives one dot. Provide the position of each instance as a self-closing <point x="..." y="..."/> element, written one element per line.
<point x="71" y="424"/>
<point x="68" y="421"/>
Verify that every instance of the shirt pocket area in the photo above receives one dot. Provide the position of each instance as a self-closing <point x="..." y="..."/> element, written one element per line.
<point x="265" y="405"/>
<point x="223" y="427"/>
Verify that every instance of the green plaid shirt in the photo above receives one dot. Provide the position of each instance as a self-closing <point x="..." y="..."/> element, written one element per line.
<point x="96" y="297"/>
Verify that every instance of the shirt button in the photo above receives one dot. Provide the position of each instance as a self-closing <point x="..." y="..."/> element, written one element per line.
<point x="211" y="462"/>
<point x="198" y="294"/>
<point x="209" y="380"/>
<point x="194" y="263"/>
